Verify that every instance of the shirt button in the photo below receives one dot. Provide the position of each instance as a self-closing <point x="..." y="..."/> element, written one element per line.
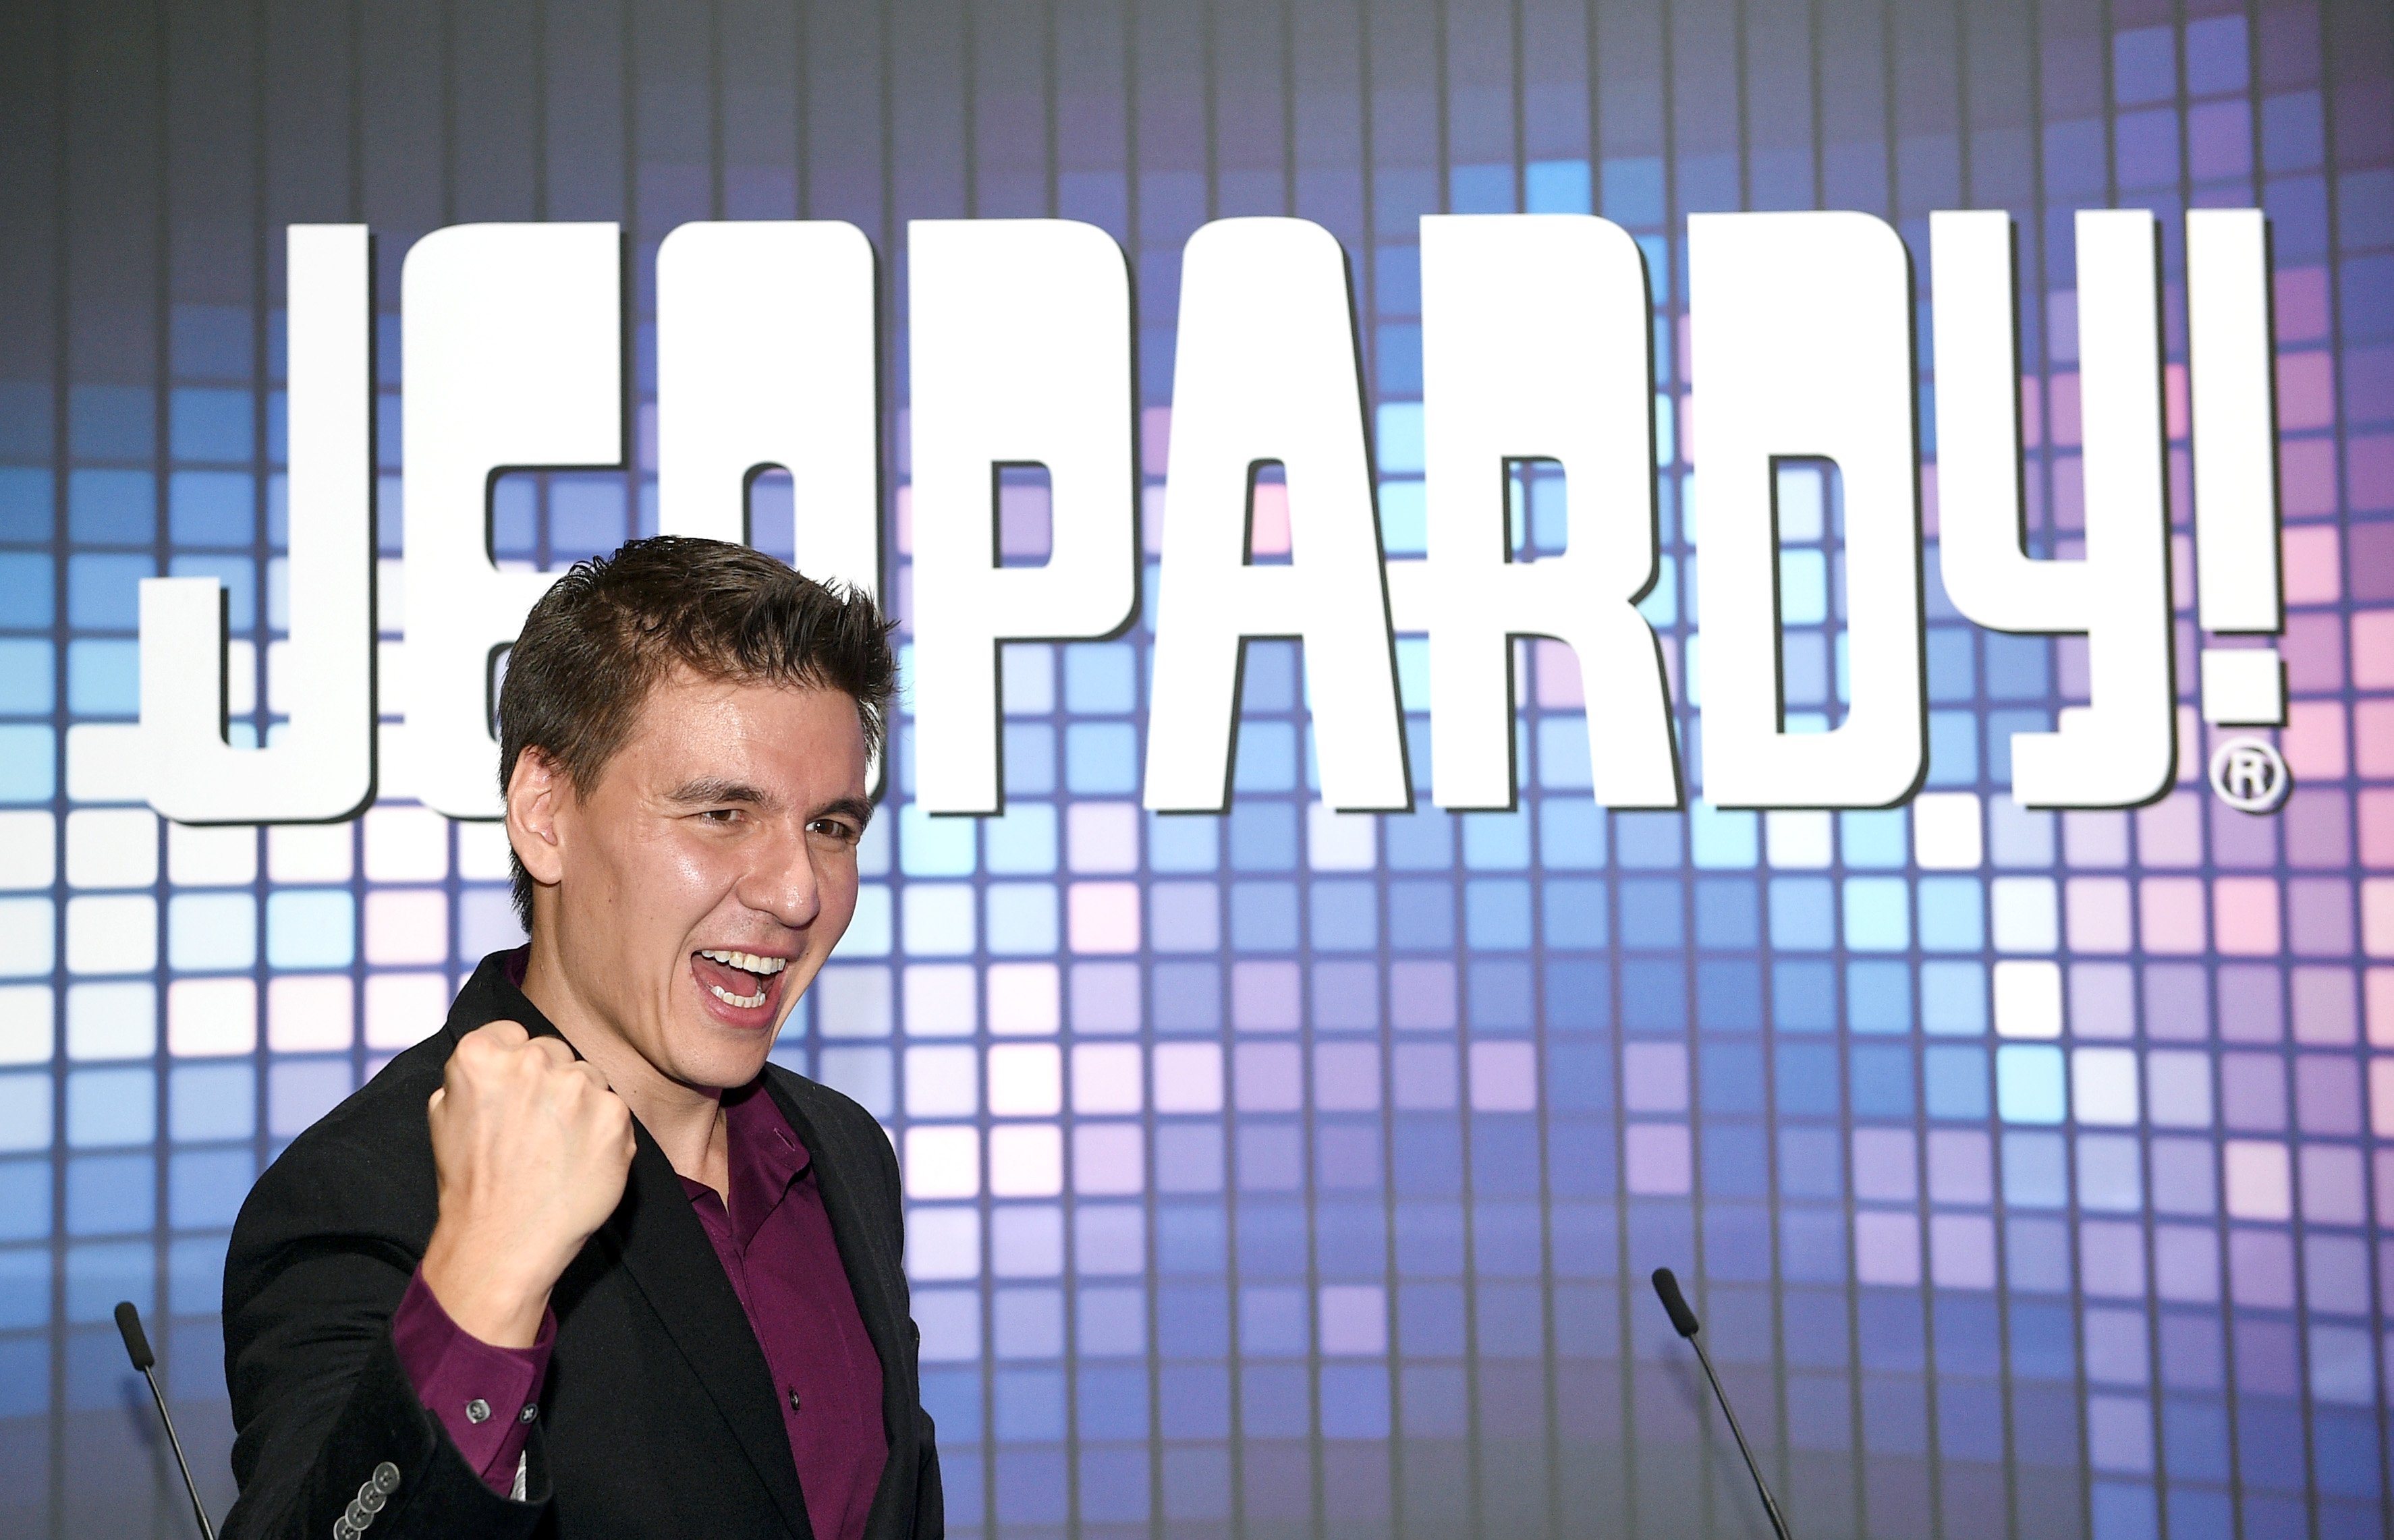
<point x="794" y="1398"/>
<point x="478" y="1411"/>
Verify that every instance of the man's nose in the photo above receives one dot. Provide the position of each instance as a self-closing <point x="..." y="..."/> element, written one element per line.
<point x="782" y="884"/>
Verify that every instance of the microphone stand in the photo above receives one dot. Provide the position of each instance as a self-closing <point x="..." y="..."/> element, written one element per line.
<point x="1684" y="1322"/>
<point x="137" y="1348"/>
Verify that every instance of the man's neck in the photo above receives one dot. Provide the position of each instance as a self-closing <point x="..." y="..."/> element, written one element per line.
<point x="684" y="1120"/>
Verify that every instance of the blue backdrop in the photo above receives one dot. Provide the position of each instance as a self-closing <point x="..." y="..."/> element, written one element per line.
<point x="1275" y="1175"/>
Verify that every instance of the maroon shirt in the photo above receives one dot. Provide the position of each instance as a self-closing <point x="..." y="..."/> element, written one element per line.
<point x="776" y="1246"/>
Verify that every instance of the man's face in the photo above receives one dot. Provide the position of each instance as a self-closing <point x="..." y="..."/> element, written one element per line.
<point x="710" y="871"/>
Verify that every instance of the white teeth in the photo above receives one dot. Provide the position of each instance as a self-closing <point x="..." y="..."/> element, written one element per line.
<point x="744" y="1003"/>
<point x="749" y="962"/>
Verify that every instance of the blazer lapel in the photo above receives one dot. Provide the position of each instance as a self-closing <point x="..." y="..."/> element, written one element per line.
<point x="868" y="1257"/>
<point x="663" y="1247"/>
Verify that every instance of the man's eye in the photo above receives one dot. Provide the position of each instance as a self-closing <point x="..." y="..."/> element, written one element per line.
<point x="721" y="815"/>
<point x="834" y="828"/>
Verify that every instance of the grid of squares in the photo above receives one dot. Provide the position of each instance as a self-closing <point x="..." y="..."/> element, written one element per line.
<point x="1290" y="1172"/>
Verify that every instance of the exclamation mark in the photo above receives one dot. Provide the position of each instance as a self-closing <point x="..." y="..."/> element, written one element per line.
<point x="2238" y="588"/>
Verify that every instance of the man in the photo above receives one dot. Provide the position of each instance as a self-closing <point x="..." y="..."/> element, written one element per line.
<point x="582" y="1264"/>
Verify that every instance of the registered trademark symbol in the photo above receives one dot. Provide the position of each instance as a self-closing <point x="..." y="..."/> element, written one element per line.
<point x="2249" y="775"/>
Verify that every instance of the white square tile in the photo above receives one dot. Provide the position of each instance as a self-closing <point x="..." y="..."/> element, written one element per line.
<point x="29" y="848"/>
<point x="112" y="847"/>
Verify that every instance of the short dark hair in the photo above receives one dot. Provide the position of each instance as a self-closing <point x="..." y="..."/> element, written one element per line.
<point x="612" y="627"/>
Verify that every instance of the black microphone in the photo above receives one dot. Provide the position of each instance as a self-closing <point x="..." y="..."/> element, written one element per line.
<point x="137" y="1348"/>
<point x="1684" y="1322"/>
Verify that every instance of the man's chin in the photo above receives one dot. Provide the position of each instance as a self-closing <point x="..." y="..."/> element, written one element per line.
<point x="719" y="1066"/>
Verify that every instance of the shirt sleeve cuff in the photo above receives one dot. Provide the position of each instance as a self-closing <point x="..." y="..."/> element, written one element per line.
<point x="486" y="1397"/>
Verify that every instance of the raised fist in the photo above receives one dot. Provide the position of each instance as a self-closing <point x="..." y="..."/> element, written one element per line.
<point x="533" y="1150"/>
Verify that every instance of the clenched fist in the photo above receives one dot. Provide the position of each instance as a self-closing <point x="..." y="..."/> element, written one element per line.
<point x="532" y="1151"/>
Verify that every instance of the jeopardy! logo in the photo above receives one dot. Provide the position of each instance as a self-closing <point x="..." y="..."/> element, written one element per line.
<point x="1536" y="348"/>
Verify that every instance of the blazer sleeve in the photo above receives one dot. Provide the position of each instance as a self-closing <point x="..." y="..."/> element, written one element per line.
<point x="328" y="1429"/>
<point x="931" y="1497"/>
<point x="930" y="1502"/>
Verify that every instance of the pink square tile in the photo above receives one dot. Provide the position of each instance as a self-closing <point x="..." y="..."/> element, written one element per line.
<point x="2169" y="833"/>
<point x="1109" y="1158"/>
<point x="1557" y="675"/>
<point x="407" y="925"/>
<point x="1103" y="917"/>
<point x="1887" y="1248"/>
<point x="2377" y="922"/>
<point x="2381" y="1120"/>
<point x="2306" y="390"/>
<point x="2171" y="915"/>
<point x="405" y="1009"/>
<point x="2324" y="1007"/>
<point x="2306" y="478"/>
<point x="2372" y="649"/>
<point x="2369" y="474"/>
<point x="1102" y="836"/>
<point x="1155" y="439"/>
<point x="2259" y="1180"/>
<point x="1267" y="1076"/>
<point x="905" y="500"/>
<point x="2314" y="565"/>
<point x="2099" y="914"/>
<point x="2319" y="916"/>
<point x="1962" y="1248"/>
<point x="2318" y="822"/>
<point x="2377" y="992"/>
<point x="1266" y="996"/>
<point x="2313" y="649"/>
<point x="2031" y="413"/>
<point x="2244" y="916"/>
<point x="2061" y="405"/>
<point x="2333" y="1189"/>
<point x="1025" y="998"/>
<point x="1504" y="1076"/>
<point x="2094" y="838"/>
<point x="2069" y="494"/>
<point x="2372" y="736"/>
<point x="2301" y="303"/>
<point x="2239" y="841"/>
<point x="309" y="1012"/>
<point x="2314" y="740"/>
<point x="1661" y="1162"/>
<point x="2174" y="400"/>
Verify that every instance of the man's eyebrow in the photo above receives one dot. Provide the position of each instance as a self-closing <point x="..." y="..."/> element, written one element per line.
<point x="851" y="807"/>
<point x="715" y="788"/>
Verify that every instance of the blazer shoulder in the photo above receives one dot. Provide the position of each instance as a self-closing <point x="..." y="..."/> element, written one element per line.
<point x="836" y="1117"/>
<point x="363" y="1167"/>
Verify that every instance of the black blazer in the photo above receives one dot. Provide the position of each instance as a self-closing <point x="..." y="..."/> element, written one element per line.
<point x="659" y="1416"/>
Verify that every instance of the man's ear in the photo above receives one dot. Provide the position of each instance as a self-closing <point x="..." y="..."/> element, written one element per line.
<point x="537" y="791"/>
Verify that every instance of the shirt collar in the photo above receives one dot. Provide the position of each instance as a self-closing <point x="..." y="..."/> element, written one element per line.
<point x="764" y="1156"/>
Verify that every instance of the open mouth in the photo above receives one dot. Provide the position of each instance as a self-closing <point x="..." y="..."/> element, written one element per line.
<point x="744" y="981"/>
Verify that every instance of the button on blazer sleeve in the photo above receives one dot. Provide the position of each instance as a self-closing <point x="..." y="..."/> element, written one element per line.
<point x="318" y="1261"/>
